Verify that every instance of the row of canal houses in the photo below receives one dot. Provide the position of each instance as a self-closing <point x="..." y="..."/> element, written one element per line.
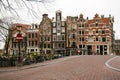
<point x="65" y="36"/>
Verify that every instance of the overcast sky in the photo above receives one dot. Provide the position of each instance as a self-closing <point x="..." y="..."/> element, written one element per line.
<point x="87" y="7"/>
<point x="90" y="7"/>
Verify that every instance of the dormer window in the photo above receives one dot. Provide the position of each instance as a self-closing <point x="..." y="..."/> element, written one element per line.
<point x="36" y="26"/>
<point x="19" y="27"/>
<point x="96" y="23"/>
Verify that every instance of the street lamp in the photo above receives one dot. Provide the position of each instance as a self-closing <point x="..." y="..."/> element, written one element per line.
<point x="19" y="38"/>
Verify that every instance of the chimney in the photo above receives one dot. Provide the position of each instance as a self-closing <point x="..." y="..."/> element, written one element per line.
<point x="45" y="15"/>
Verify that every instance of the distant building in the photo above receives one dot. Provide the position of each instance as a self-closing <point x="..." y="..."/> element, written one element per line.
<point x="117" y="47"/>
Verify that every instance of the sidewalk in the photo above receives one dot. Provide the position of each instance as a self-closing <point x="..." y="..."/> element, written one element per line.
<point x="114" y="63"/>
<point x="49" y="62"/>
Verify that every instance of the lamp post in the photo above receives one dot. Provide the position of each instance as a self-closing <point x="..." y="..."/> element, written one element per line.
<point x="19" y="38"/>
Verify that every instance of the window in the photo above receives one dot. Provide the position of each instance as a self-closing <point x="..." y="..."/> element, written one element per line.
<point x="80" y="46"/>
<point x="36" y="26"/>
<point x="32" y="35"/>
<point x="63" y="45"/>
<point x="74" y="27"/>
<point x="59" y="45"/>
<point x="103" y="31"/>
<point x="96" y="23"/>
<point x="82" y="25"/>
<point x="73" y="36"/>
<point x="90" y="32"/>
<point x="103" y="39"/>
<point x="48" y="38"/>
<point x="54" y="38"/>
<point x="54" y="24"/>
<point x="48" y="45"/>
<point x="36" y="35"/>
<point x="29" y="43"/>
<point x="32" y="43"/>
<point x="58" y="17"/>
<point x="90" y="39"/>
<point x="54" y="30"/>
<point x="44" y="45"/>
<point x="35" y="43"/>
<point x="96" y="31"/>
<point x="29" y="35"/>
<point x="82" y="39"/>
<point x="63" y="29"/>
<point x="63" y="23"/>
<point x="81" y="32"/>
<point x="63" y="38"/>
<point x="19" y="27"/>
<point x="96" y="38"/>
<point x="73" y="44"/>
<point x="81" y="19"/>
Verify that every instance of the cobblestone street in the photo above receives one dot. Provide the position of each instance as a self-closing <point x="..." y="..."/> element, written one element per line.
<point x="70" y="68"/>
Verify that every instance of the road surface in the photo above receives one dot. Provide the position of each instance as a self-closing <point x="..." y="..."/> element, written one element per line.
<point x="71" y="68"/>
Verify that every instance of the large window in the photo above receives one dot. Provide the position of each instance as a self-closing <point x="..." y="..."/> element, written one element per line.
<point x="82" y="39"/>
<point x="90" y="39"/>
<point x="29" y="35"/>
<point x="81" y="32"/>
<point x="81" y="25"/>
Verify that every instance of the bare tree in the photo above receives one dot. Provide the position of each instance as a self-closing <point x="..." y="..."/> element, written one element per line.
<point x="12" y="10"/>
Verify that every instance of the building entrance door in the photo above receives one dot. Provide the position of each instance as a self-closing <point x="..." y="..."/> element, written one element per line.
<point x="89" y="49"/>
<point x="101" y="49"/>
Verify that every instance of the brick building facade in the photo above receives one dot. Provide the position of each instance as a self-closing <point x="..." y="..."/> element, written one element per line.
<point x="45" y="35"/>
<point x="14" y="48"/>
<point x="58" y="34"/>
<point x="66" y="36"/>
<point x="94" y="36"/>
